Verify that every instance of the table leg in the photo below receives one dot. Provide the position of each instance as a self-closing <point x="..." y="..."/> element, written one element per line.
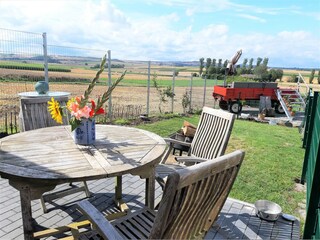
<point x="25" y="198"/>
<point x="118" y="188"/>
<point x="118" y="195"/>
<point x="29" y="192"/>
<point x="150" y="189"/>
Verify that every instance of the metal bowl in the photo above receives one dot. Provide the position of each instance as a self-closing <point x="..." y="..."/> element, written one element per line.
<point x="267" y="210"/>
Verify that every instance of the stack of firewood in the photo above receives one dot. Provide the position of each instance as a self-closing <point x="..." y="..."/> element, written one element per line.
<point x="188" y="129"/>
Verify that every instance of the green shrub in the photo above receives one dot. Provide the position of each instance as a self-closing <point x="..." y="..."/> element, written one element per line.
<point x="122" y="121"/>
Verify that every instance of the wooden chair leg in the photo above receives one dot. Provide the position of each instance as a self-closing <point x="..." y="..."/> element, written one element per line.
<point x="86" y="189"/>
<point x="43" y="204"/>
<point x="59" y="194"/>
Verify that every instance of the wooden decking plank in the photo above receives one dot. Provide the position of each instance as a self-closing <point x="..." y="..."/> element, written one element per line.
<point x="289" y="230"/>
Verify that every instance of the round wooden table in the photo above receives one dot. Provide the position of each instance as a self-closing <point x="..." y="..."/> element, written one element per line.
<point x="36" y="161"/>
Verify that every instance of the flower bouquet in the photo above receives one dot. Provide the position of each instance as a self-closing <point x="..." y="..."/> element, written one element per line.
<point x="83" y="108"/>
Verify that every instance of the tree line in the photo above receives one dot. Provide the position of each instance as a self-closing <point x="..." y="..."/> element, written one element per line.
<point x="118" y="65"/>
<point x="313" y="71"/>
<point x="213" y="69"/>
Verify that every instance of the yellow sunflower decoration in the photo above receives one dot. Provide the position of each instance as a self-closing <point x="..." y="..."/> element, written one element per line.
<point x="55" y="110"/>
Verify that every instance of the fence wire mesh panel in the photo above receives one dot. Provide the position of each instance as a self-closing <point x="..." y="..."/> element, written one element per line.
<point x="20" y="54"/>
<point x="149" y="88"/>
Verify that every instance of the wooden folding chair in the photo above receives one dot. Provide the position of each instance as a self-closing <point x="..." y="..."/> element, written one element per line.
<point x="192" y="199"/>
<point x="210" y="141"/>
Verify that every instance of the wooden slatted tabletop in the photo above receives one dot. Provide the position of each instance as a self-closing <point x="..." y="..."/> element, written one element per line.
<point x="36" y="161"/>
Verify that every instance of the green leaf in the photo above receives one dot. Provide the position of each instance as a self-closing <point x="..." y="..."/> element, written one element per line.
<point x="74" y="123"/>
<point x="87" y="92"/>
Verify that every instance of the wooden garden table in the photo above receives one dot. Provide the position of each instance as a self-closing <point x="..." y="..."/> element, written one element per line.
<point x="36" y="161"/>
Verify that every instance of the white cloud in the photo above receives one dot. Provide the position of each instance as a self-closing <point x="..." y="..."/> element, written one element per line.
<point x="100" y="25"/>
<point x="190" y="12"/>
<point x="285" y="49"/>
<point x="251" y="17"/>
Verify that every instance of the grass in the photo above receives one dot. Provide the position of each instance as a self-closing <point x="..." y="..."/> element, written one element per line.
<point x="197" y="82"/>
<point x="165" y="127"/>
<point x="130" y="80"/>
<point x="273" y="161"/>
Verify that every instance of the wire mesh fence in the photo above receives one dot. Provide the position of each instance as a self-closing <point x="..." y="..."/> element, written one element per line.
<point x="20" y="53"/>
<point x="26" y="58"/>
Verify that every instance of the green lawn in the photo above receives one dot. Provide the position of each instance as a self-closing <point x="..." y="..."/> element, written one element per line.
<point x="196" y="82"/>
<point x="274" y="159"/>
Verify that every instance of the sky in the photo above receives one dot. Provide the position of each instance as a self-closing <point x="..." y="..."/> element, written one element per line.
<point x="285" y="31"/>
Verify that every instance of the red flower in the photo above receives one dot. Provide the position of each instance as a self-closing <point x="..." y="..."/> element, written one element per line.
<point x="100" y="111"/>
<point x="92" y="112"/>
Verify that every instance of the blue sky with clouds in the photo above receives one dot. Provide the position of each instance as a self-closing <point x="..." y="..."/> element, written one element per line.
<point x="285" y="31"/>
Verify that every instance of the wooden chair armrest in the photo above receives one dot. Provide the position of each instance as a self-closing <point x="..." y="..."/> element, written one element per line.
<point x="99" y="222"/>
<point x="170" y="143"/>
<point x="175" y="141"/>
<point x="190" y="159"/>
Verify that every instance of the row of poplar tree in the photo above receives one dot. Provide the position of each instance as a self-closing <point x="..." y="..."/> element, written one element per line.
<point x="213" y="69"/>
<point x="312" y="75"/>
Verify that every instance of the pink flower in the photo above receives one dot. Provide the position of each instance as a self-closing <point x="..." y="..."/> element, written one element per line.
<point x="82" y="113"/>
<point x="75" y="111"/>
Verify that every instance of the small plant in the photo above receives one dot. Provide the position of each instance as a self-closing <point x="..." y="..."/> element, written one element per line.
<point x="292" y="112"/>
<point x="293" y="78"/>
<point x="163" y="93"/>
<point x="186" y="101"/>
<point x="122" y="121"/>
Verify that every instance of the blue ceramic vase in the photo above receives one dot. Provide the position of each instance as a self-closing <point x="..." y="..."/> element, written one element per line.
<point x="42" y="87"/>
<point x="85" y="133"/>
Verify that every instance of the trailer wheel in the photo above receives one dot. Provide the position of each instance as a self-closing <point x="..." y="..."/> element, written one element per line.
<point x="223" y="104"/>
<point x="278" y="108"/>
<point x="235" y="107"/>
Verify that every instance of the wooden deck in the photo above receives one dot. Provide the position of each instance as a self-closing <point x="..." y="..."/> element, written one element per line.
<point x="236" y="221"/>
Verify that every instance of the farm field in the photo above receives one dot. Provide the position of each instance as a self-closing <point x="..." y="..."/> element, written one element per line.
<point x="122" y="95"/>
<point x="131" y="92"/>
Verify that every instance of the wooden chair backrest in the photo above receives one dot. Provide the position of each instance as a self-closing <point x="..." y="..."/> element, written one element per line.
<point x="193" y="197"/>
<point x="212" y="134"/>
<point x="35" y="114"/>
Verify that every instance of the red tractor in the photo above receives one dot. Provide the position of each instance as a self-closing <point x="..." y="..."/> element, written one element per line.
<point x="231" y="97"/>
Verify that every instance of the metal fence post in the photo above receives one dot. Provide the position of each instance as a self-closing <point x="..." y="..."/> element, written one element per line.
<point x="173" y="84"/>
<point x="109" y="85"/>
<point x="204" y="91"/>
<point x="148" y="89"/>
<point x="45" y="57"/>
<point x="190" y="106"/>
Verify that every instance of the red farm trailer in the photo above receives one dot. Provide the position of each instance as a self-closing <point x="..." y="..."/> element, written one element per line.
<point x="230" y="97"/>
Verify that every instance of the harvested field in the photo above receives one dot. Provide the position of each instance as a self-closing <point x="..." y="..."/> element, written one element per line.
<point x="75" y="73"/>
<point x="296" y="71"/>
<point x="88" y="74"/>
<point x="126" y="100"/>
<point x="136" y="96"/>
